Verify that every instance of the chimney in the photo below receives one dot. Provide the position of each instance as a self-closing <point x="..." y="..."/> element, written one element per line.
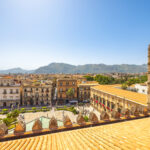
<point x="148" y="83"/>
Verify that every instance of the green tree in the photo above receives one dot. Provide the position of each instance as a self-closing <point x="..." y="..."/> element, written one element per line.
<point x="124" y="86"/>
<point x="15" y="113"/>
<point x="4" y="111"/>
<point x="86" y="118"/>
<point x="89" y="78"/>
<point x="143" y="78"/>
<point x="70" y="93"/>
<point x="104" y="79"/>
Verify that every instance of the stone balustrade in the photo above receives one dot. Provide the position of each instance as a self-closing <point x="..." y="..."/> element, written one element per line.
<point x="20" y="128"/>
<point x="67" y="122"/>
<point x="53" y="124"/>
<point x="93" y="118"/>
<point x="37" y="126"/>
<point x="80" y="120"/>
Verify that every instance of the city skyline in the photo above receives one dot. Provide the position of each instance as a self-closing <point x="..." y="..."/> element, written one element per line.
<point x="37" y="33"/>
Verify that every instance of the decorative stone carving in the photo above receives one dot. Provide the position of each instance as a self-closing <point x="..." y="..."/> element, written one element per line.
<point x="80" y="120"/>
<point x="37" y="126"/>
<point x="67" y="122"/>
<point x="3" y="129"/>
<point x="115" y="114"/>
<point x="20" y="127"/>
<point x="104" y="116"/>
<point x="53" y="124"/>
<point x="93" y="118"/>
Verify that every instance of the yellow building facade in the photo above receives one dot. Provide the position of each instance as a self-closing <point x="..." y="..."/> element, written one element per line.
<point x="63" y="85"/>
<point x="110" y="97"/>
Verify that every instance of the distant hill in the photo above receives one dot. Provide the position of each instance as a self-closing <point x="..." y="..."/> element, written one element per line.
<point x="88" y="68"/>
<point x="91" y="68"/>
<point x="56" y="68"/>
<point x="15" y="70"/>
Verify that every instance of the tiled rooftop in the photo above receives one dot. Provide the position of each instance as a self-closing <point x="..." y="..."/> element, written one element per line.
<point x="88" y="84"/>
<point x="133" y="96"/>
<point x="128" y="135"/>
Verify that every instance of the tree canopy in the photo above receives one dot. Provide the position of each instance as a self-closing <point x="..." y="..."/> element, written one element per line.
<point x="126" y="80"/>
<point x="70" y="92"/>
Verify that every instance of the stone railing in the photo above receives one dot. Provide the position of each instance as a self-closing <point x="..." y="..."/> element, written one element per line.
<point x="20" y="129"/>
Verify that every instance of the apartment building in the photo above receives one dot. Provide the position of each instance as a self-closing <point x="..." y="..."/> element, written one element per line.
<point x="84" y="90"/>
<point x="37" y="93"/>
<point x="9" y="92"/>
<point x="63" y="85"/>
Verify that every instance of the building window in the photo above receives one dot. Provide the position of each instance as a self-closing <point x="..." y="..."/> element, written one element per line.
<point x="17" y="91"/>
<point x="73" y="90"/>
<point x="4" y="92"/>
<point x="60" y="89"/>
<point x="42" y="90"/>
<point x="5" y="97"/>
<point x="73" y="83"/>
<point x="47" y="90"/>
<point x="67" y="83"/>
<point x="11" y="91"/>
<point x="36" y="95"/>
<point x="60" y="83"/>
<point x="25" y="94"/>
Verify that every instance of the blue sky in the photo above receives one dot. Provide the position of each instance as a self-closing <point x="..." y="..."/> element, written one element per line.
<point x="34" y="33"/>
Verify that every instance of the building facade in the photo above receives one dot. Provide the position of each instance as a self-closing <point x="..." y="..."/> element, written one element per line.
<point x="109" y="98"/>
<point x="84" y="90"/>
<point x="63" y="85"/>
<point x="36" y="94"/>
<point x="9" y="92"/>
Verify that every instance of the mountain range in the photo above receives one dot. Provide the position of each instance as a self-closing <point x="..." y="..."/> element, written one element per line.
<point x="88" y="68"/>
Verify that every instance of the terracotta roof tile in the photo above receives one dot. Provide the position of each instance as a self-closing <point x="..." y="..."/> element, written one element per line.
<point x="126" y="135"/>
